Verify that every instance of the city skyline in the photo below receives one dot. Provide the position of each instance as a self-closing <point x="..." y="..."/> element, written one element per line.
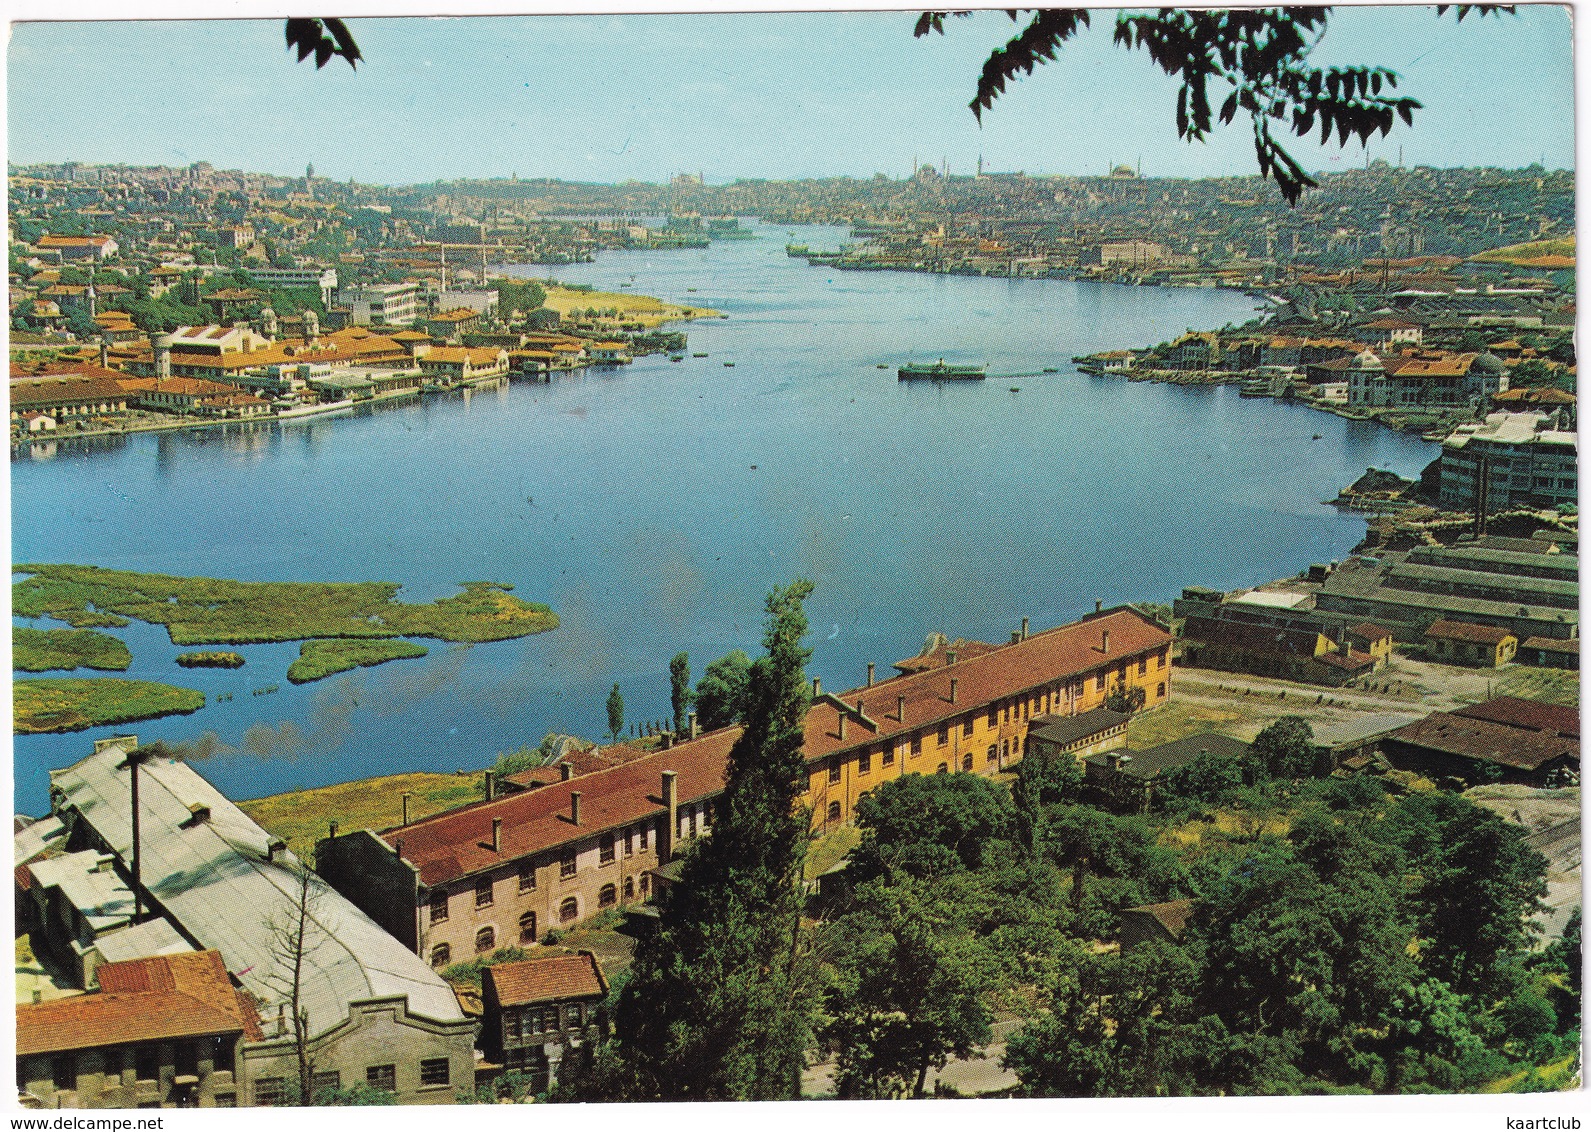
<point x="609" y="98"/>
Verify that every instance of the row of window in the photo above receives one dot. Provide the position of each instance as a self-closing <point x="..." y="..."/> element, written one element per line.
<point x="568" y="912"/>
<point x="147" y="1062"/>
<point x="270" y="1091"/>
<point x="544" y="1020"/>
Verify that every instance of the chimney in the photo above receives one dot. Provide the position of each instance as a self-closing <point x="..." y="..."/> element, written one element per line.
<point x="491" y="790"/>
<point x="1113" y="761"/>
<point x="953" y="683"/>
<point x="574" y="806"/>
<point x="900" y="709"/>
<point x="1104" y="640"/>
<point x="1099" y="606"/>
<point x="38" y="997"/>
<point x="104" y="353"/>
<point x="273" y="848"/>
<point x="1016" y="636"/>
<point x="565" y="772"/>
<point x="695" y="727"/>
<point x="135" y="759"/>
<point x="665" y="841"/>
<point x="842" y="725"/>
<point x="405" y="797"/>
<point x="668" y="740"/>
<point x="397" y="847"/>
<point x="870" y="674"/>
<point x="331" y="830"/>
<point x="1024" y="628"/>
<point x="817" y="687"/>
<point x="497" y="832"/>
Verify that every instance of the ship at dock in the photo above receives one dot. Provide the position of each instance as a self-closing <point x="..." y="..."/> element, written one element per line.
<point x="940" y="371"/>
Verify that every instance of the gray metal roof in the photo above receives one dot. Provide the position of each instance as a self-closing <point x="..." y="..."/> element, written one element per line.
<point x="216" y="879"/>
<point x="90" y="884"/>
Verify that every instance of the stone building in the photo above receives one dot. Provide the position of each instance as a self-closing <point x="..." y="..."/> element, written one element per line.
<point x="507" y="869"/>
<point x="539" y="1013"/>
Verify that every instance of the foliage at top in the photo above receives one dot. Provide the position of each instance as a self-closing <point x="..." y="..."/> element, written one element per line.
<point x="1258" y="59"/>
<point x="199" y="611"/>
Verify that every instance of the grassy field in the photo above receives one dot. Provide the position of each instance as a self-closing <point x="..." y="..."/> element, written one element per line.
<point x="214" y="611"/>
<point x="300" y="817"/>
<point x="632" y="308"/>
<point x="68" y="704"/>
<point x="1517" y="253"/>
<point x="210" y="660"/>
<point x="1550" y="685"/>
<point x="62" y="650"/>
<point x="322" y="658"/>
<point x="1177" y="719"/>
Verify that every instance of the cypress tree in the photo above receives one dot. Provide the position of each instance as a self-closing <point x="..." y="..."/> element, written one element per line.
<point x="718" y="1006"/>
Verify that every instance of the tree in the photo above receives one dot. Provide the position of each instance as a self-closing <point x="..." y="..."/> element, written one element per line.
<point x="908" y="991"/>
<point x="1118" y="1025"/>
<point x="927" y="824"/>
<point x="721" y="690"/>
<point x="1125" y="698"/>
<point x="1207" y="779"/>
<point x="1044" y="778"/>
<point x="720" y="1001"/>
<point x="291" y="936"/>
<point x="679" y="683"/>
<point x="615" y="713"/>
<point x="1259" y="58"/>
<point x="1282" y="750"/>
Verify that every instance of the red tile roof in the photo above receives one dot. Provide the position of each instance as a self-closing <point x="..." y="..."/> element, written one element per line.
<point x="1532" y="715"/>
<point x="141" y="1000"/>
<point x="935" y="657"/>
<point x="553" y="979"/>
<point x="1445" y="630"/>
<point x="1488" y="741"/>
<point x="457" y="843"/>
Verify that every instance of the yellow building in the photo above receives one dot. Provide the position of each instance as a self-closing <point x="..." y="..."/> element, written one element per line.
<point x="968" y="706"/>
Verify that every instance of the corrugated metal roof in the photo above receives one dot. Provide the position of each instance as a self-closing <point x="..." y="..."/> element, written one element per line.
<point x="216" y="879"/>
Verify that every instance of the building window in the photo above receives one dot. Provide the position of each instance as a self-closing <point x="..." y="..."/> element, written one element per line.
<point x="1099" y="682"/>
<point x="1143" y="666"/>
<point x="864" y="763"/>
<point x="608" y="896"/>
<point x="226" y="1100"/>
<point x="944" y="734"/>
<point x="269" y="1091"/>
<point x="605" y="850"/>
<point x="834" y="811"/>
<point x="629" y="843"/>
<point x="527" y="928"/>
<point x="435" y="1071"/>
<point x="994" y="718"/>
<point x="888" y="756"/>
<point x="646" y="830"/>
<point x="646" y="886"/>
<point x="384" y="1077"/>
<point x="571" y="1016"/>
<point x="568" y="910"/>
<point x="566" y="865"/>
<point x="1160" y="691"/>
<point x="441" y="955"/>
<point x="320" y="1082"/>
<point x="966" y="728"/>
<point x="834" y="768"/>
<point x="917" y="744"/>
<point x="438" y="906"/>
<point x="966" y="761"/>
<point x="486" y="939"/>
<point x="629" y="889"/>
<point x="483" y="893"/>
<point x="527" y="877"/>
<point x="994" y="755"/>
<point x="223" y="1054"/>
<point x="943" y="768"/>
<point x="690" y="818"/>
<point x="63" y="1071"/>
<point x="146" y="1062"/>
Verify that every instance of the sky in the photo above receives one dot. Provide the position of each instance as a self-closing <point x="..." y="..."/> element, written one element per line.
<point x="609" y="98"/>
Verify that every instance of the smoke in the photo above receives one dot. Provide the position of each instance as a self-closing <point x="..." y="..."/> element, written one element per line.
<point x="205" y="746"/>
<point x="330" y="723"/>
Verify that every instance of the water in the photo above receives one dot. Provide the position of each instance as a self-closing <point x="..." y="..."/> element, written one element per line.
<point x="654" y="506"/>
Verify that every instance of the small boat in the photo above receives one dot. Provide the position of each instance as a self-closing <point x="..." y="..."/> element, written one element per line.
<point x="1051" y="369"/>
<point x="1315" y="437"/>
<point x="676" y="357"/>
<point x="940" y="371"/>
<point x="692" y="290"/>
<point x="698" y="355"/>
<point x="1016" y="389"/>
<point x="729" y="363"/>
<point x="882" y="365"/>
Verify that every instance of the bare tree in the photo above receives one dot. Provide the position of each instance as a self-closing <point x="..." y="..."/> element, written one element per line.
<point x="293" y="934"/>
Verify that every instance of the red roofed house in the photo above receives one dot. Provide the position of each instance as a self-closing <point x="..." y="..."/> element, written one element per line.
<point x="1461" y="642"/>
<point x="1513" y="739"/>
<point x="161" y="1032"/>
<point x="538" y="1010"/>
<point x="464" y="363"/>
<point x="506" y="869"/>
<point x="79" y="247"/>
